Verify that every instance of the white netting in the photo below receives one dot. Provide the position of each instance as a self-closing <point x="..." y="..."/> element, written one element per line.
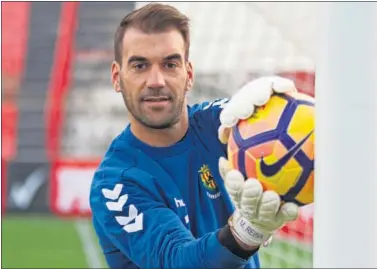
<point x="230" y="44"/>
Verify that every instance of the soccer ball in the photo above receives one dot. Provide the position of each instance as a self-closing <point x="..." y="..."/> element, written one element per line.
<point x="276" y="146"/>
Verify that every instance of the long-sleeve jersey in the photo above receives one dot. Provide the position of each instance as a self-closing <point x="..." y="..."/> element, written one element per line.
<point x="162" y="207"/>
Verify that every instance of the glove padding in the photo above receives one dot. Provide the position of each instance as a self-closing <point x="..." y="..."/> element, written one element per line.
<point x="242" y="104"/>
<point x="258" y="213"/>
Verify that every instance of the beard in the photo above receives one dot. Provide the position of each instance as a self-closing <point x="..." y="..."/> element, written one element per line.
<point x="167" y="119"/>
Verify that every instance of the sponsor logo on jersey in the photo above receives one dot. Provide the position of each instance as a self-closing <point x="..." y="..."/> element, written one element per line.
<point x="209" y="182"/>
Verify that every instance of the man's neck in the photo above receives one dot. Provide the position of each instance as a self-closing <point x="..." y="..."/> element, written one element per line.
<point x="160" y="137"/>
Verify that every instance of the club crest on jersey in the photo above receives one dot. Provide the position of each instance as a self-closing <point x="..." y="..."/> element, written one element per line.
<point x="209" y="182"/>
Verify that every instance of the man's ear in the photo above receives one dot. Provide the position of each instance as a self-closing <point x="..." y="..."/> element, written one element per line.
<point x="115" y="76"/>
<point x="190" y="76"/>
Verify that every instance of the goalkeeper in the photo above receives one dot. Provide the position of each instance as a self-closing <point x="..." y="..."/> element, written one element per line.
<point x="163" y="196"/>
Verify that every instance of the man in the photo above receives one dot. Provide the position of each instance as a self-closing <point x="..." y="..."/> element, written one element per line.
<point x="158" y="197"/>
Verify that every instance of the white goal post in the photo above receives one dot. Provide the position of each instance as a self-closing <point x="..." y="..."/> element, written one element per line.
<point x="345" y="210"/>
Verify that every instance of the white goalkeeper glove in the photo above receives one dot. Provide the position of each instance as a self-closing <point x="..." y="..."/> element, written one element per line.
<point x="258" y="214"/>
<point x="254" y="93"/>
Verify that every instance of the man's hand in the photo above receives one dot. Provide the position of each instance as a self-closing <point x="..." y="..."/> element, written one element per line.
<point x="243" y="103"/>
<point x="258" y="214"/>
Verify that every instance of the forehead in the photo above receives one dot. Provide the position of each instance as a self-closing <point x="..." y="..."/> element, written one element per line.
<point x="152" y="45"/>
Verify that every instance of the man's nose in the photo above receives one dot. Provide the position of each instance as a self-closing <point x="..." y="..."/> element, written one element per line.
<point x="155" y="78"/>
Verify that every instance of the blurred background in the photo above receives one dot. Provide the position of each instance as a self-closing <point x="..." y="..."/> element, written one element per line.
<point x="59" y="111"/>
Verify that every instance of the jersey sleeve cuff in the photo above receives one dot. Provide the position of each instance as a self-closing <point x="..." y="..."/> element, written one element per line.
<point x="218" y="256"/>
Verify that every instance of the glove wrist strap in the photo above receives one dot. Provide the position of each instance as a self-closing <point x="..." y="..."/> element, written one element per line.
<point x="245" y="231"/>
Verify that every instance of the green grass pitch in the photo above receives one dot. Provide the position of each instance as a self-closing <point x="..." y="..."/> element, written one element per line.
<point x="31" y="241"/>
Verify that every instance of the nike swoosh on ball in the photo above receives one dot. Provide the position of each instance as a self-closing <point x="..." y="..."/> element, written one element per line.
<point x="274" y="168"/>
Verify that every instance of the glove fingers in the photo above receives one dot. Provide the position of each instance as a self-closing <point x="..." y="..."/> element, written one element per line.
<point x="227" y="117"/>
<point x="234" y="182"/>
<point x="262" y="94"/>
<point x="255" y="93"/>
<point x="224" y="167"/>
<point x="288" y="212"/>
<point x="251" y="195"/>
<point x="224" y="134"/>
<point x="245" y="107"/>
<point x="269" y="206"/>
<point x="283" y="85"/>
<point x="240" y="106"/>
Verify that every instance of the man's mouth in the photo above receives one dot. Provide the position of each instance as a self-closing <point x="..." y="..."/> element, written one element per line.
<point x="156" y="99"/>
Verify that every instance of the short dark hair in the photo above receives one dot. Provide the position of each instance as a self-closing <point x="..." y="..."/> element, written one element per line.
<point x="152" y="18"/>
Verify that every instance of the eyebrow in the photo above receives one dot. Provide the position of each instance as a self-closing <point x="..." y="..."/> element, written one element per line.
<point x="174" y="56"/>
<point x="137" y="59"/>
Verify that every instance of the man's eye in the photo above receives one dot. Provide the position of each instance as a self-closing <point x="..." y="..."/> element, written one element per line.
<point x="170" y="65"/>
<point x="140" y="66"/>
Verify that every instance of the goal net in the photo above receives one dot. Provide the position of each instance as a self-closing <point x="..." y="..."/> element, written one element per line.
<point x="231" y="43"/>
